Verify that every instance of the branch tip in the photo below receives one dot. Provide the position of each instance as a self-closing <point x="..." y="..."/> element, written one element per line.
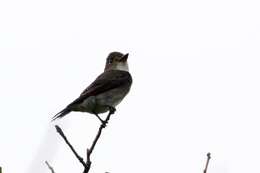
<point x="207" y="163"/>
<point x="209" y="155"/>
<point x="58" y="129"/>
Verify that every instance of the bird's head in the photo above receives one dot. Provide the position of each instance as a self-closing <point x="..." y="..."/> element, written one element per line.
<point x="117" y="61"/>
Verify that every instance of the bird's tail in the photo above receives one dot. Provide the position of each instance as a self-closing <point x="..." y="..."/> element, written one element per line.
<point x="61" y="114"/>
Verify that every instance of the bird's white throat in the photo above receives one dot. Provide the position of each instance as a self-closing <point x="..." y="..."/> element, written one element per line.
<point x="118" y="66"/>
<point x="122" y="66"/>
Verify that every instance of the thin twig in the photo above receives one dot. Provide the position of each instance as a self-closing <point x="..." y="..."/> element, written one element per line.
<point x="86" y="165"/>
<point x="50" y="167"/>
<point x="59" y="130"/>
<point x="90" y="150"/>
<point x="207" y="163"/>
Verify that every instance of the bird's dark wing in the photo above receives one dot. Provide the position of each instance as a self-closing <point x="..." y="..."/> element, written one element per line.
<point x="104" y="82"/>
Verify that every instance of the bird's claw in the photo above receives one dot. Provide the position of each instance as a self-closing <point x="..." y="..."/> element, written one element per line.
<point x="112" y="110"/>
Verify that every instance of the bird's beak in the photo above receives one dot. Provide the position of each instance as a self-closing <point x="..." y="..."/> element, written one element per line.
<point x="124" y="58"/>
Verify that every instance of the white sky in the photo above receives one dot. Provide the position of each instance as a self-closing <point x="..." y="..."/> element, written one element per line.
<point x="196" y="85"/>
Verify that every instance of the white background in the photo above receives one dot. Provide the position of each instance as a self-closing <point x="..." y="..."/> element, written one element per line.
<point x="196" y="84"/>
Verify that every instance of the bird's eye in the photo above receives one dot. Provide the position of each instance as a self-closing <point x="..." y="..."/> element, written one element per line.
<point x="110" y="61"/>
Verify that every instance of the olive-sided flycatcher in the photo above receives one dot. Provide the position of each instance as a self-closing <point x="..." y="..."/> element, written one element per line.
<point x="106" y="92"/>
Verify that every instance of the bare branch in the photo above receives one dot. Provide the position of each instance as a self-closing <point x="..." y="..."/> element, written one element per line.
<point x="207" y="163"/>
<point x="86" y="165"/>
<point x="90" y="150"/>
<point x="50" y="167"/>
<point x="59" y="130"/>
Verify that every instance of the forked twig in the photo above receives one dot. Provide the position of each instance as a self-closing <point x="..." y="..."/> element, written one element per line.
<point x="90" y="150"/>
<point x="86" y="165"/>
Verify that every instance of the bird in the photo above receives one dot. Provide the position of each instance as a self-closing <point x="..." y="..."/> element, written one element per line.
<point x="107" y="90"/>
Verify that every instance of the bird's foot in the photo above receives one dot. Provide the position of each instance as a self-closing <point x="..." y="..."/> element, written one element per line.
<point x="112" y="110"/>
